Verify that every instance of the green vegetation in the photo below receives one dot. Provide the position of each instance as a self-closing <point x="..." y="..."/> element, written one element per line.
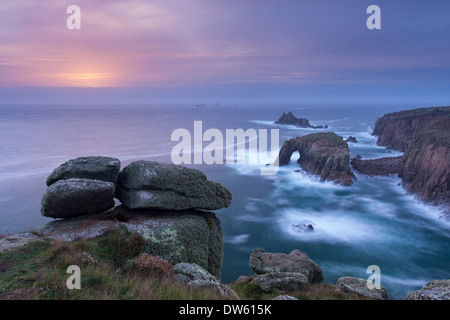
<point x="112" y="267"/>
<point x="326" y="291"/>
<point x="433" y="111"/>
<point x="324" y="137"/>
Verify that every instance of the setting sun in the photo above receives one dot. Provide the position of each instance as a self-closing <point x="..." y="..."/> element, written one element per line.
<point x="84" y="79"/>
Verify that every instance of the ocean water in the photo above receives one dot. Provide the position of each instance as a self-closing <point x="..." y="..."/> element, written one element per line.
<point x="372" y="222"/>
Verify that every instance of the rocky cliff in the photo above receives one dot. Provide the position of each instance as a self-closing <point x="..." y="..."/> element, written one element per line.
<point x="325" y="154"/>
<point x="424" y="136"/>
<point x="396" y="130"/>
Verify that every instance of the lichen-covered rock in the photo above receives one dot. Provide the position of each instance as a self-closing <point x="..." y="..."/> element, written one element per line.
<point x="434" y="290"/>
<point x="195" y="276"/>
<point x="17" y="240"/>
<point x="76" y="197"/>
<point x="187" y="236"/>
<point x="324" y="154"/>
<point x="263" y="262"/>
<point x="359" y="287"/>
<point x="93" y="167"/>
<point x="281" y="281"/>
<point x="155" y="185"/>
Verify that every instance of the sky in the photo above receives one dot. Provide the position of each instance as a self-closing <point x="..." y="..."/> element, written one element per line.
<point x="232" y="50"/>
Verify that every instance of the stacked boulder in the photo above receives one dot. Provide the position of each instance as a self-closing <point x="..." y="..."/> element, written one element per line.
<point x="284" y="272"/>
<point x="159" y="201"/>
<point x="81" y="186"/>
<point x="89" y="185"/>
<point x="154" y="185"/>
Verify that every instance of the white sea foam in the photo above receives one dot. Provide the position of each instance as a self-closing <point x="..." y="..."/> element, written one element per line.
<point x="333" y="120"/>
<point x="237" y="239"/>
<point x="374" y="206"/>
<point x="332" y="226"/>
<point x="287" y="126"/>
<point x="254" y="218"/>
<point x="403" y="281"/>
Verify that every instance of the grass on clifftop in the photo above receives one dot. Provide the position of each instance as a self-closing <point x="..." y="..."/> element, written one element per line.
<point x="110" y="269"/>
<point x="437" y="111"/>
<point x="114" y="267"/>
<point x="329" y="138"/>
<point x="318" y="291"/>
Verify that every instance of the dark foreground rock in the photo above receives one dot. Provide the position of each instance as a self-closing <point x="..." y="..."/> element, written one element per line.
<point x="325" y="154"/>
<point x="197" y="277"/>
<point x="187" y="236"/>
<point x="263" y="262"/>
<point x="290" y="119"/>
<point x="378" y="167"/>
<point x="359" y="287"/>
<point x="155" y="185"/>
<point x="77" y="197"/>
<point x="281" y="281"/>
<point x="434" y="290"/>
<point x="93" y="167"/>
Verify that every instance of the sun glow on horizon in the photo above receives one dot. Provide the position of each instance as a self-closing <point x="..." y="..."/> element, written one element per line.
<point x="83" y="79"/>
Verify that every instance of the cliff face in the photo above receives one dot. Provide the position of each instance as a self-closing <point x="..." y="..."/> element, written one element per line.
<point x="424" y="136"/>
<point x="396" y="130"/>
<point x="324" y="154"/>
<point x="426" y="163"/>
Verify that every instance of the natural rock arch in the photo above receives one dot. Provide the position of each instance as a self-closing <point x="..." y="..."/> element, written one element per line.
<point x="325" y="154"/>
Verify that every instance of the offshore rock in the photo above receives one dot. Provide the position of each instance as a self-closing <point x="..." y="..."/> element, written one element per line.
<point x="155" y="185"/>
<point x="290" y="119"/>
<point x="351" y="139"/>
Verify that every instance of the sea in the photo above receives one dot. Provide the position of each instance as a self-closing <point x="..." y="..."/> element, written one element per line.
<point x="372" y="222"/>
